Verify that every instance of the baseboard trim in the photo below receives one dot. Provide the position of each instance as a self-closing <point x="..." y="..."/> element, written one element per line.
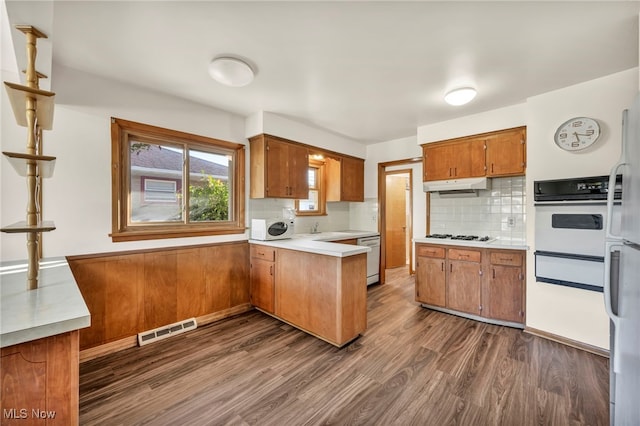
<point x="569" y="342"/>
<point x="108" y="348"/>
<point x="132" y="341"/>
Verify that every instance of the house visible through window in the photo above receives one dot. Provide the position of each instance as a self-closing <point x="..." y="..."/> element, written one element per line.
<point x="161" y="191"/>
<point x="173" y="184"/>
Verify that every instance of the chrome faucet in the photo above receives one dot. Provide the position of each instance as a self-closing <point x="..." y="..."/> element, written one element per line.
<point x="314" y="228"/>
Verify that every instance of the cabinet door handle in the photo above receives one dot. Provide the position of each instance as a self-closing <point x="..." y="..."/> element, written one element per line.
<point x="442" y="267"/>
<point x="494" y="272"/>
<point x="451" y="267"/>
<point x="491" y="167"/>
<point x="271" y="270"/>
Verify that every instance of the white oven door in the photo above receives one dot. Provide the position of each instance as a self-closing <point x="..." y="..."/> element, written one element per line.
<point x="572" y="228"/>
<point x="570" y="243"/>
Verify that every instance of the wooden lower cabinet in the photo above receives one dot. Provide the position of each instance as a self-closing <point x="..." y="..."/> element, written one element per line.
<point x="482" y="282"/>
<point x="464" y="287"/>
<point x="431" y="276"/>
<point x="326" y="296"/>
<point x="505" y="295"/>
<point x="40" y="381"/>
<point x="262" y="278"/>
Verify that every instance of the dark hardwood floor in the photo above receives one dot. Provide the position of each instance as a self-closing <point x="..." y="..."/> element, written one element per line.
<point x="413" y="366"/>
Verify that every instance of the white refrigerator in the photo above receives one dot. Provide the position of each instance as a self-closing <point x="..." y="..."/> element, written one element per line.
<point x="622" y="278"/>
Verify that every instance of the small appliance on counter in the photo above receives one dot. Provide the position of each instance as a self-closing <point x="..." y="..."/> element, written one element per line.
<point x="271" y="229"/>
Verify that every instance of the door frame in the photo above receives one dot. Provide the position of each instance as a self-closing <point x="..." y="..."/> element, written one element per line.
<point x="382" y="225"/>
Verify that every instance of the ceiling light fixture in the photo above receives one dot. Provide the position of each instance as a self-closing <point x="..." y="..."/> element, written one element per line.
<point x="231" y="72"/>
<point x="460" y="96"/>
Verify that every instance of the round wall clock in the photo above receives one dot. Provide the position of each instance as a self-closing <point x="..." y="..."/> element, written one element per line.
<point x="577" y="133"/>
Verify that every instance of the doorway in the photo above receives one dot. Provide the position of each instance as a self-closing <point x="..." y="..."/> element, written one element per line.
<point x="397" y="217"/>
<point x="396" y="241"/>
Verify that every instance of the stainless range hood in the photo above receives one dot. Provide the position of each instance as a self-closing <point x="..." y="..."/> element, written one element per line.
<point x="463" y="185"/>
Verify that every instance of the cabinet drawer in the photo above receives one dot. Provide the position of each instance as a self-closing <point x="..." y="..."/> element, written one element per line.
<point x="429" y="251"/>
<point x="262" y="252"/>
<point x="468" y="255"/>
<point x="506" y="258"/>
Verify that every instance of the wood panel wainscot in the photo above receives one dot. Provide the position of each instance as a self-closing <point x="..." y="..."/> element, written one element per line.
<point x="128" y="293"/>
<point x="479" y="283"/>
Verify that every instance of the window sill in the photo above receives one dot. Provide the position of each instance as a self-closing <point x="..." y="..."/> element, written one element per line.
<point x="158" y="234"/>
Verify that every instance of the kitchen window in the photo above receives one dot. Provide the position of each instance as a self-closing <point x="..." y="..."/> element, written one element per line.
<point x="316" y="204"/>
<point x="170" y="184"/>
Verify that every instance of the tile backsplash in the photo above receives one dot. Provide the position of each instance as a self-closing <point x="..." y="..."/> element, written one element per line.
<point x="498" y="212"/>
<point x="337" y="218"/>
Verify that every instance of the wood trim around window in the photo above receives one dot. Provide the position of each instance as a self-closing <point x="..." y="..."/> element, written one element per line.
<point x="121" y="130"/>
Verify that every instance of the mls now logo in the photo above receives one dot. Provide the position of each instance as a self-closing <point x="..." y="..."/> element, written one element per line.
<point x="23" y="413"/>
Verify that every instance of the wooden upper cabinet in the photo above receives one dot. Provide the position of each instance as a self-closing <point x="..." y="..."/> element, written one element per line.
<point x="453" y="160"/>
<point x="278" y="168"/>
<point x="345" y="179"/>
<point x="491" y="154"/>
<point x="506" y="153"/>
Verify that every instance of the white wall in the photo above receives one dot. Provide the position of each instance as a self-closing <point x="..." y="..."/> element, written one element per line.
<point x="274" y="124"/>
<point x="497" y="119"/>
<point x="78" y="196"/>
<point x="384" y="152"/>
<point x="573" y="313"/>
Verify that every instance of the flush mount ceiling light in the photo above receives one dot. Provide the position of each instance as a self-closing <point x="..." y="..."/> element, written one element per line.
<point x="230" y="71"/>
<point x="460" y="96"/>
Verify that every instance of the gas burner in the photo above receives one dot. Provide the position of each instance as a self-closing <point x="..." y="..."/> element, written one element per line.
<point x="465" y="237"/>
<point x="460" y="237"/>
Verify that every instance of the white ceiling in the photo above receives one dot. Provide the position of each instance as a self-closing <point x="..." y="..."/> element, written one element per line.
<point x="372" y="71"/>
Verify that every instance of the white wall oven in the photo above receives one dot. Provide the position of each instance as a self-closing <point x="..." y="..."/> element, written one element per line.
<point x="569" y="230"/>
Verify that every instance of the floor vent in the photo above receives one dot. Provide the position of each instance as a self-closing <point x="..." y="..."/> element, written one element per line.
<point x="160" y="333"/>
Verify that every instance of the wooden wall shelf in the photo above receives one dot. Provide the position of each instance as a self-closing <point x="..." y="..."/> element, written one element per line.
<point x="18" y="95"/>
<point x="23" y="227"/>
<point x="19" y="161"/>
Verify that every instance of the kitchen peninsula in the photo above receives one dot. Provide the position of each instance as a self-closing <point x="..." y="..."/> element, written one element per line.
<point x="39" y="341"/>
<point x="317" y="286"/>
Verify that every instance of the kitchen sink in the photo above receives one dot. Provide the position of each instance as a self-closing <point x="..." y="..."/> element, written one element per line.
<point x="329" y="235"/>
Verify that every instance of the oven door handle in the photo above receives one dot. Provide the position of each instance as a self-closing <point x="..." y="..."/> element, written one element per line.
<point x="608" y="306"/>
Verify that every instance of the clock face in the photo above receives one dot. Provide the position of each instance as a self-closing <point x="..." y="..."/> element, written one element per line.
<point x="577" y="133"/>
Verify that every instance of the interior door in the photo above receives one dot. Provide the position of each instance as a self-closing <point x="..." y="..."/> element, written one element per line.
<point x="396" y="221"/>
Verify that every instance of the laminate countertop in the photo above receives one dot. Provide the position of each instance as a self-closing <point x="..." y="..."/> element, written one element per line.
<point x="494" y="244"/>
<point x="321" y="243"/>
<point x="55" y="307"/>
